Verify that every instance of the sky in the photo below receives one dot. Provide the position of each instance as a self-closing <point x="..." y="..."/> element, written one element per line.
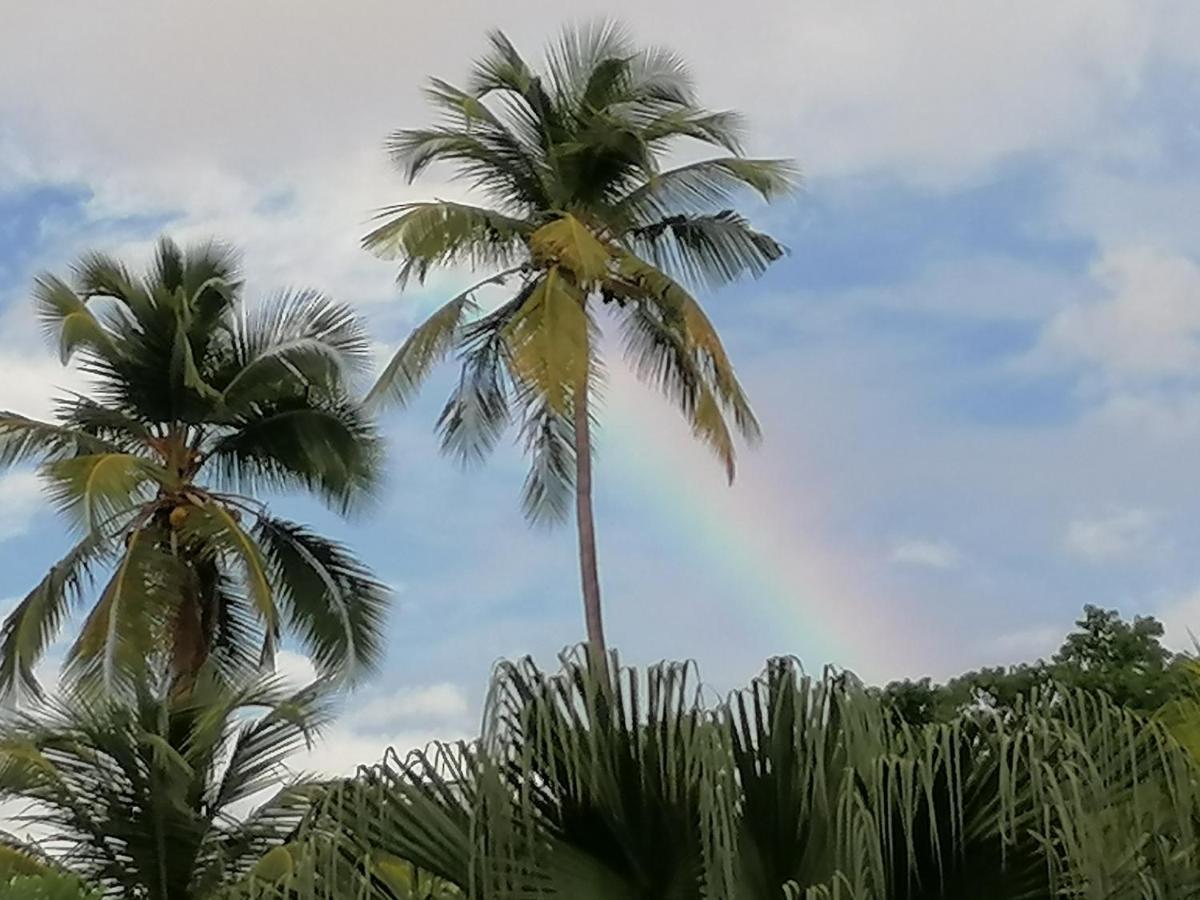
<point x="978" y="368"/>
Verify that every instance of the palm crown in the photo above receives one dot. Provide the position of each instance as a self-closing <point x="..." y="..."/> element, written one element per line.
<point x="146" y="798"/>
<point x="583" y="214"/>
<point x="196" y="403"/>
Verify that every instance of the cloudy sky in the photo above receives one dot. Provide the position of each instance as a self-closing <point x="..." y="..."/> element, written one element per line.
<point x="978" y="369"/>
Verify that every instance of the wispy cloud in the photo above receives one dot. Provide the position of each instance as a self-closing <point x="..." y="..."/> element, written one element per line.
<point x="927" y="553"/>
<point x="1118" y="535"/>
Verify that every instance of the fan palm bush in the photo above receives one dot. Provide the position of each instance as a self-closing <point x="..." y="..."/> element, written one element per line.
<point x="601" y="783"/>
<point x="197" y="401"/>
<point x="148" y="796"/>
<point x="587" y="208"/>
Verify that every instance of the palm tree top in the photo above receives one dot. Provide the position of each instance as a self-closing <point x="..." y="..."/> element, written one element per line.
<point x="196" y="404"/>
<point x="587" y="135"/>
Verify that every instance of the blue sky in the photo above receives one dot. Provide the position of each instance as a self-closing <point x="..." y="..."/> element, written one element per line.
<point x="978" y="370"/>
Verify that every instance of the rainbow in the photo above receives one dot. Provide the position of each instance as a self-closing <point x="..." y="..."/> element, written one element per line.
<point x="758" y="538"/>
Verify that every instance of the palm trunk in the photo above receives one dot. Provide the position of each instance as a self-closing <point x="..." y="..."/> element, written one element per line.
<point x="589" y="573"/>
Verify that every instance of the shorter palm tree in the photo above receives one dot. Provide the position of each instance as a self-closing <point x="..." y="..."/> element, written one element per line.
<point x="143" y="796"/>
<point x="196" y="404"/>
<point x="592" y="786"/>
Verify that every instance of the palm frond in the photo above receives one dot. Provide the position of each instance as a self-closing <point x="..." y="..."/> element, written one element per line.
<point x="67" y="321"/>
<point x="547" y="495"/>
<point x="703" y="185"/>
<point x="698" y="336"/>
<point x="37" y="620"/>
<point x="443" y="234"/>
<point x="548" y="340"/>
<point x="329" y="598"/>
<point x="116" y="427"/>
<point x="261" y="746"/>
<point x="428" y="345"/>
<point x="301" y="341"/>
<point x="121" y="639"/>
<point x="24" y="439"/>
<point x="331" y="449"/>
<point x="96" y="489"/>
<point x="567" y="242"/>
<point x="215" y="530"/>
<point x="706" y="250"/>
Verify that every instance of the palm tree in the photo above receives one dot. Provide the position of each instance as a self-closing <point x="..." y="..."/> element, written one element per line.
<point x="583" y="216"/>
<point x="196" y="404"/>
<point x="596" y="783"/>
<point x="144" y="796"/>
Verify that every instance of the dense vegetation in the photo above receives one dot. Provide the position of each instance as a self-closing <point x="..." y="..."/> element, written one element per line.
<point x="156" y="769"/>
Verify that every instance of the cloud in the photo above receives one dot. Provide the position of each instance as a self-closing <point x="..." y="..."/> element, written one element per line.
<point x="1180" y="618"/>
<point x="925" y="553"/>
<point x="21" y="499"/>
<point x="374" y="719"/>
<point x="1119" y="535"/>
<point x="431" y="703"/>
<point x="1142" y="331"/>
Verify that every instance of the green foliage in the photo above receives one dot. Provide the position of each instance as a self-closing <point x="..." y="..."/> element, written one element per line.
<point x="593" y="785"/>
<point x="143" y="796"/>
<point x="198" y="402"/>
<point x="49" y="886"/>
<point x="583" y="215"/>
<point x="1125" y="660"/>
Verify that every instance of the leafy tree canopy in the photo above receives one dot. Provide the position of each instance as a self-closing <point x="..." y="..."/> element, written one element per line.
<point x="1124" y="659"/>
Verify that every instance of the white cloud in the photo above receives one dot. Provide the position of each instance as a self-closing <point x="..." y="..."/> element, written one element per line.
<point x="296" y="669"/>
<point x="375" y="719"/>
<point x="1117" y="535"/>
<point x="1142" y="330"/>
<point x="430" y="703"/>
<point x="1181" y="621"/>
<point x="926" y="553"/>
<point x="20" y="500"/>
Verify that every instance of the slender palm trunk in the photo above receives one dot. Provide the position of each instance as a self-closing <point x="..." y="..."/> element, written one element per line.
<point x="589" y="573"/>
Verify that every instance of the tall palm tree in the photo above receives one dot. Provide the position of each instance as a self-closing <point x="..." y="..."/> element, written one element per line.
<point x="584" y="214"/>
<point x="146" y="797"/>
<point x="196" y="403"/>
<point x="596" y="783"/>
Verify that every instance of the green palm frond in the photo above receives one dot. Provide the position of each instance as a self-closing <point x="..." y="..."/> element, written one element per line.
<point x="300" y="342"/>
<point x="117" y="645"/>
<point x="548" y="340"/>
<point x="598" y="782"/>
<point x="23" y="439"/>
<point x="428" y="345"/>
<point x="549" y="439"/>
<point x="707" y="250"/>
<point x="141" y="794"/>
<point x="330" y="599"/>
<point x="701" y="338"/>
<point x="661" y="353"/>
<point x="116" y="428"/>
<point x="441" y="234"/>
<point x="330" y="449"/>
<point x="216" y="530"/>
<point x="38" y="619"/>
<point x="705" y="184"/>
<point x="68" y="322"/>
<point x="96" y="489"/>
